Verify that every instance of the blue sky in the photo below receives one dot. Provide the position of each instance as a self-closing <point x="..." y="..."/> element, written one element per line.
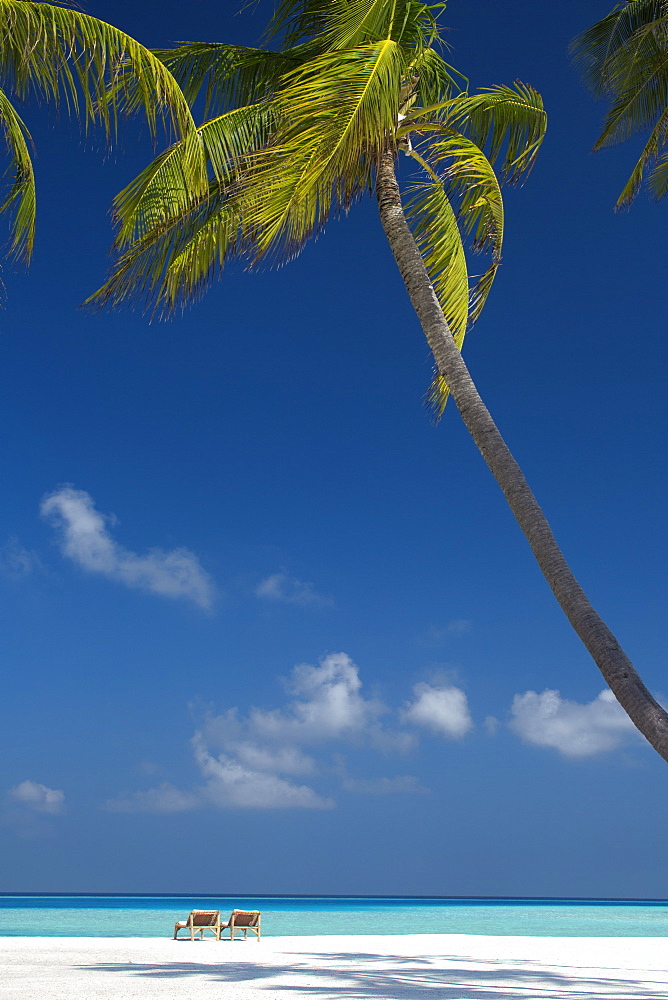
<point x="265" y="628"/>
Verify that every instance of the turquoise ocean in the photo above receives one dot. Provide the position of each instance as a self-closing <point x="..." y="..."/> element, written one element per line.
<point x="90" y="915"/>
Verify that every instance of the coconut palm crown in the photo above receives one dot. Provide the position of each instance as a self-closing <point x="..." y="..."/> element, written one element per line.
<point x="295" y="134"/>
<point x="624" y="59"/>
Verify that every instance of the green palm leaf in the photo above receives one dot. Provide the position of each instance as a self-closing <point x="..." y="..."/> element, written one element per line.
<point x="473" y="187"/>
<point x="228" y="75"/>
<point x="172" y="263"/>
<point x="63" y="54"/>
<point x="624" y="57"/>
<point x="20" y="202"/>
<point x="508" y="122"/>
<point x="658" y="179"/>
<point x="163" y="189"/>
<point x="342" y="24"/>
<point x="433" y="221"/>
<point x="336" y="114"/>
<point x="605" y="51"/>
<point x="639" y="88"/>
<point x="436" y="79"/>
<point x="71" y="58"/>
<point x="461" y="198"/>
<point x="650" y="154"/>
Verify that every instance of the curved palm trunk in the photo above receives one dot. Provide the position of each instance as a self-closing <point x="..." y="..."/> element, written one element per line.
<point x="618" y="671"/>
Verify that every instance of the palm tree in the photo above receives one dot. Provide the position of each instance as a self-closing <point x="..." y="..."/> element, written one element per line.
<point x="624" y="57"/>
<point x="296" y="133"/>
<point x="78" y="62"/>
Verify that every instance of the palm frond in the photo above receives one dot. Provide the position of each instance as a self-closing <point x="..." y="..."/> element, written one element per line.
<point x="473" y="187"/>
<point x="162" y="191"/>
<point x="174" y="262"/>
<point x="604" y="51"/>
<point x="624" y="57"/>
<point x="461" y="198"/>
<point x="436" y="79"/>
<point x="640" y="92"/>
<point x="650" y="154"/>
<point x="20" y="202"/>
<point x="658" y="178"/>
<point x="66" y="56"/>
<point x="508" y="123"/>
<point x="433" y="222"/>
<point x="228" y="76"/>
<point x="343" y="24"/>
<point x="335" y="114"/>
<point x="296" y="21"/>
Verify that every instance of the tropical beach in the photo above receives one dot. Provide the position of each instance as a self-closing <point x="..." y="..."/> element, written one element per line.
<point x="517" y="948"/>
<point x="359" y="967"/>
<point x="332" y="610"/>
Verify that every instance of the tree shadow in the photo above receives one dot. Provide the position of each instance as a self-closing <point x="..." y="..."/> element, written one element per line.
<point x="399" y="977"/>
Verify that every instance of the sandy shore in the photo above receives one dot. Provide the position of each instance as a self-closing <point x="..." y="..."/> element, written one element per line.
<point x="411" y="967"/>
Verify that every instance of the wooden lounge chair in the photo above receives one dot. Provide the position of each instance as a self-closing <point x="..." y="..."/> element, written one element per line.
<point x="243" y="920"/>
<point x="198" y="922"/>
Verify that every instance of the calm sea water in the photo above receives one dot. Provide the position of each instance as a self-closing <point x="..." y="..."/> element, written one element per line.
<point x="154" y="916"/>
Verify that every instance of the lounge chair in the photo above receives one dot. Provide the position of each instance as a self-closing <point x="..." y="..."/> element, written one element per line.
<point x="198" y="922"/>
<point x="243" y="920"/>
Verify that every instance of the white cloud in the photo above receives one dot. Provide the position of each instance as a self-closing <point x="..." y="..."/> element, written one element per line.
<point x="443" y="709"/>
<point x="257" y="761"/>
<point x="38" y="797"/>
<point x="230" y="784"/>
<point x="289" y="590"/>
<point x="86" y="540"/>
<point x="285" y="760"/>
<point x="328" y="705"/>
<point x="166" y="798"/>
<point x="575" y="730"/>
<point x="17" y="562"/>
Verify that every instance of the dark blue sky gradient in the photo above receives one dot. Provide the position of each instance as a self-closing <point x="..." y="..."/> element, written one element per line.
<point x="278" y="426"/>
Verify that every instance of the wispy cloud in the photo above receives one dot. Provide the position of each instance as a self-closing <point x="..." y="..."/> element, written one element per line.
<point x="571" y="728"/>
<point x="268" y="758"/>
<point x="166" y="798"/>
<point x="328" y="704"/>
<point x="231" y="784"/>
<point x="17" y="562"/>
<point x="286" y="589"/>
<point x="39" y="798"/>
<point x="443" y="709"/>
<point x="436" y="635"/>
<point x="401" y="784"/>
<point x="85" y="538"/>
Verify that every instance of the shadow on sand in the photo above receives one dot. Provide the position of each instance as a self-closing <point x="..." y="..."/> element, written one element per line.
<point x="387" y="977"/>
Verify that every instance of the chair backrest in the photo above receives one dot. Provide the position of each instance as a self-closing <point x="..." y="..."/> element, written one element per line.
<point x="245" y="918"/>
<point x="203" y="918"/>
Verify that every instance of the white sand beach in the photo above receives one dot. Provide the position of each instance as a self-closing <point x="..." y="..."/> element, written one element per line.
<point x="405" y="967"/>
